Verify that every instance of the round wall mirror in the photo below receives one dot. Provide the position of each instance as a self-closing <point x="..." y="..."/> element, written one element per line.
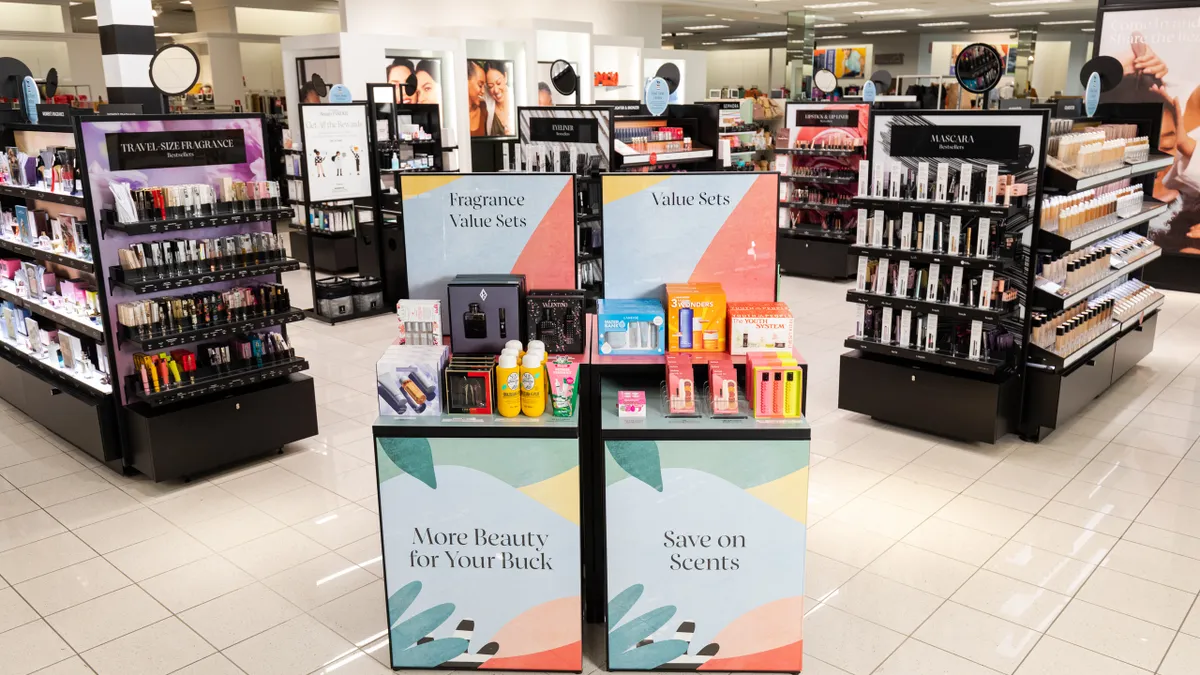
<point x="174" y="70"/>
<point x="670" y="73"/>
<point x="1111" y="71"/>
<point x="979" y="68"/>
<point x="563" y="78"/>
<point x="825" y="81"/>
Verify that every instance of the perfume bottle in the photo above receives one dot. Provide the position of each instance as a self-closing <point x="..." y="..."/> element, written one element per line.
<point x="546" y="328"/>
<point x="503" y="325"/>
<point x="395" y="161"/>
<point x="475" y="322"/>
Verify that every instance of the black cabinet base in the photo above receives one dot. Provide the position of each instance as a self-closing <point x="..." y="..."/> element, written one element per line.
<point x="960" y="406"/>
<point x="821" y="258"/>
<point x="1174" y="272"/>
<point x="87" y="422"/>
<point x="184" y="441"/>
<point x="333" y="254"/>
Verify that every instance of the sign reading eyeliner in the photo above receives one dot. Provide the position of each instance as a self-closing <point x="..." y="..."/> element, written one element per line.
<point x="563" y="130"/>
<point x="826" y="118"/>
<point x="998" y="143"/>
<point x="134" y="151"/>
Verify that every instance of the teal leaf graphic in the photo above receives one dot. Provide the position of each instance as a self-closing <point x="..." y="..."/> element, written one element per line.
<point x="413" y="456"/>
<point x="648" y="657"/>
<point x="401" y="600"/>
<point x="639" y="459"/>
<point x="428" y="655"/>
<point x="636" y="630"/>
<point x="422" y="624"/>
<point x="619" y="606"/>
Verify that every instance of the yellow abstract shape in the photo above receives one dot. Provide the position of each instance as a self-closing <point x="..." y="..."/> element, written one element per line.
<point x="619" y="187"/>
<point x="560" y="493"/>
<point x="411" y="186"/>
<point x="789" y="494"/>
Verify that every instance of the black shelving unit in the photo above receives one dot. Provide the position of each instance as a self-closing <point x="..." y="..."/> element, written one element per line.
<point x="197" y="223"/>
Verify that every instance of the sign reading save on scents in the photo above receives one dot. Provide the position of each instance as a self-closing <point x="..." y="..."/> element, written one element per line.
<point x="488" y="223"/>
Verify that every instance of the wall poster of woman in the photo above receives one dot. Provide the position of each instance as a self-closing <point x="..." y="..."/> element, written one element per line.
<point x="489" y="95"/>
<point x="416" y="80"/>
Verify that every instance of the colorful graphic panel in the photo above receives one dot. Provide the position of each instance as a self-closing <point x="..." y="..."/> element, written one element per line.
<point x="481" y="552"/>
<point x="488" y="223"/>
<point x="690" y="227"/>
<point x="706" y="546"/>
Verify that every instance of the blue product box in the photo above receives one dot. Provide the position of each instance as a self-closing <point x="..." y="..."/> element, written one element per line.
<point x="631" y="327"/>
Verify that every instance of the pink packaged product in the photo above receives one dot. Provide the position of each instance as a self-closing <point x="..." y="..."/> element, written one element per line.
<point x="681" y="385"/>
<point x="73" y="291"/>
<point x="9" y="267"/>
<point x="631" y="403"/>
<point x="723" y="387"/>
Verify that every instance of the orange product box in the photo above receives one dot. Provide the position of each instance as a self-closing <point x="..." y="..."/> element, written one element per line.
<point x="696" y="317"/>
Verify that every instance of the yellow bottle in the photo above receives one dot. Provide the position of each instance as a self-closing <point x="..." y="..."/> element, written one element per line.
<point x="533" y="386"/>
<point x="508" y="387"/>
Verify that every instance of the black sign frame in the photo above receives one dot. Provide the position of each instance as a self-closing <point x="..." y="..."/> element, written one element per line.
<point x="175" y="149"/>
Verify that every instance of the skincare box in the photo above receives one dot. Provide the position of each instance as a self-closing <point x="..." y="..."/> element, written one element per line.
<point x="420" y="322"/>
<point x="557" y="319"/>
<point x="754" y="326"/>
<point x="563" y="372"/>
<point x="630" y="327"/>
<point x="408" y="380"/>
<point x="696" y="317"/>
<point x="681" y="385"/>
<point x="485" y="311"/>
<point x="631" y="403"/>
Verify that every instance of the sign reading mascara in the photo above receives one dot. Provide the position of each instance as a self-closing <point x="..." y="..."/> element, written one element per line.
<point x="997" y="143"/>
<point x="563" y="130"/>
<point x="826" y="118"/>
<point x="133" y="151"/>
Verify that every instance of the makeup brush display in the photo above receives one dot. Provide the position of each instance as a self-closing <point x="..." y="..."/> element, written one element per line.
<point x="924" y="332"/>
<point x="183" y="367"/>
<point x="51" y="169"/>
<point x="1078" y="214"/>
<point x="184" y="257"/>
<point x="166" y="316"/>
<point x="190" y="200"/>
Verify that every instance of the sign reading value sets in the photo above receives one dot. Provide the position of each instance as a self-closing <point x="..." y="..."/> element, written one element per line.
<point x="563" y="130"/>
<point x="826" y="118"/>
<point x="135" y="151"/>
<point x="999" y="143"/>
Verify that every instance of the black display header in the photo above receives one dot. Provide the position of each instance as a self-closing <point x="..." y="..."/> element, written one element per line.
<point x="997" y="143"/>
<point x="134" y="151"/>
<point x="826" y="118"/>
<point x="54" y="113"/>
<point x="564" y="130"/>
<point x="119" y="109"/>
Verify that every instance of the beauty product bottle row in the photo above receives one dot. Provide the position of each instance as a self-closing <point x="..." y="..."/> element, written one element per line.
<point x="181" y="367"/>
<point x="1074" y="328"/>
<point x="75" y="298"/>
<point x="970" y="184"/>
<point x="51" y="169"/>
<point x="53" y="345"/>
<point x="954" y="235"/>
<point x="1065" y="148"/>
<point x="1130" y="298"/>
<point x="63" y="234"/>
<point x="1076" y="215"/>
<point x="930" y="284"/>
<point x="1077" y="268"/>
<point x="826" y="222"/>
<point x="1129" y="247"/>
<point x="818" y="173"/>
<point x="924" y="332"/>
<point x="800" y="195"/>
<point x="191" y="200"/>
<point x="175" y="314"/>
<point x="833" y="141"/>
<point x="183" y="257"/>
<point x="1094" y="158"/>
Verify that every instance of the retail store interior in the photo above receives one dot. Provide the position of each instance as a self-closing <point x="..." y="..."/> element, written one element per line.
<point x="761" y="336"/>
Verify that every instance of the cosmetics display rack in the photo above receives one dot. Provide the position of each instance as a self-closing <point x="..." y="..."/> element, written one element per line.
<point x="76" y="402"/>
<point x="589" y="237"/>
<point x="683" y="139"/>
<point x="817" y="156"/>
<point x="946" y="200"/>
<point x="183" y="405"/>
<point x="1085" y="337"/>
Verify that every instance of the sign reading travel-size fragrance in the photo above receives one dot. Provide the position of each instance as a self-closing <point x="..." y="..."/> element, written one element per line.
<point x="826" y="118"/>
<point x="134" y="151"/>
<point x="999" y="143"/>
<point x="563" y="130"/>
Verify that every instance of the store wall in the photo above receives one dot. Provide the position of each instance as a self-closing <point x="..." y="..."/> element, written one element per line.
<point x="262" y="65"/>
<point x="259" y="21"/>
<point x="28" y="17"/>
<point x="762" y="68"/>
<point x="1058" y="57"/>
<point x="76" y="57"/>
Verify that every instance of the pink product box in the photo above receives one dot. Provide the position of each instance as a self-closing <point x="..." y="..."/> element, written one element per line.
<point x="9" y="267"/>
<point x="631" y="403"/>
<point x="73" y="291"/>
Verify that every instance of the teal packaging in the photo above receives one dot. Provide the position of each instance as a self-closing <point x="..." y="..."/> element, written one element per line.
<point x="631" y="327"/>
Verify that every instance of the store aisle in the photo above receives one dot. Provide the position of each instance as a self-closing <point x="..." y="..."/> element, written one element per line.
<point x="1081" y="555"/>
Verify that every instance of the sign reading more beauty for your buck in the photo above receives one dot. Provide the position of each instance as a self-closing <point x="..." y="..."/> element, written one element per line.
<point x="336" y="151"/>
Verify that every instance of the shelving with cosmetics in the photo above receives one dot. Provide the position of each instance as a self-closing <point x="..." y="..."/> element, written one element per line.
<point x="684" y="138"/>
<point x="947" y="202"/>
<point x="1092" y="318"/>
<point x="817" y="155"/>
<point x="55" y="361"/>
<point x="743" y="144"/>
<point x="188" y="269"/>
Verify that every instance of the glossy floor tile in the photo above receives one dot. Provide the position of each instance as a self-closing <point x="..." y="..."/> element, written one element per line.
<point x="1076" y="556"/>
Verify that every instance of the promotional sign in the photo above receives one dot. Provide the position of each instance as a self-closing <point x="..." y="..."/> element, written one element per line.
<point x="658" y="95"/>
<point x="825" y="117"/>
<point x="563" y="130"/>
<point x="1091" y="99"/>
<point x="340" y="93"/>
<point x="705" y="554"/>
<point x="166" y="149"/>
<point x="999" y="143"/>
<point x="868" y="92"/>
<point x="335" y="150"/>
<point x="488" y="223"/>
<point x="481" y="552"/>
<point x="54" y="113"/>
<point x="690" y="227"/>
<point x="119" y="109"/>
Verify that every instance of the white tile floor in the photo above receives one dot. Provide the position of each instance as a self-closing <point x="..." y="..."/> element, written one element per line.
<point x="926" y="557"/>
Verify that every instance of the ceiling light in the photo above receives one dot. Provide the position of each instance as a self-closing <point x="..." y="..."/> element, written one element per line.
<point x="1088" y="30"/>
<point x="883" y="32"/>
<point x="942" y="23"/>
<point x="739" y="39"/>
<point x="74" y="3"/>
<point x="872" y="12"/>
<point x="165" y="34"/>
<point x="999" y="16"/>
<point x="831" y="25"/>
<point x="708" y="43"/>
<point x="832" y="37"/>
<point x="712" y="26"/>
<point x="725" y="18"/>
<point x="1018" y="3"/>
<point x="683" y="33"/>
<point x="835" y="5"/>
<point x="1067" y="23"/>
<point x="710" y="15"/>
<point x="994" y="30"/>
<point x="90" y="18"/>
<point x="185" y="2"/>
<point x="775" y="33"/>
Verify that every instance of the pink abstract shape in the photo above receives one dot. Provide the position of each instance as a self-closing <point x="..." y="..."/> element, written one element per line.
<point x="541" y="630"/>
<point x="548" y="260"/>
<point x="741" y="257"/>
<point x="762" y="629"/>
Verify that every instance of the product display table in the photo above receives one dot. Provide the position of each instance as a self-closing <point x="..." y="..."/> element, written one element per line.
<point x="704" y="536"/>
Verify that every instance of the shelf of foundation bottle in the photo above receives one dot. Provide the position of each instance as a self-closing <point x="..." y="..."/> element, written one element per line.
<point x="816" y="207"/>
<point x="986" y="367"/>
<point x="945" y="208"/>
<point x="812" y="231"/>
<point x="1051" y="299"/>
<point x="1059" y="362"/>
<point x="150" y="343"/>
<point x="153" y="285"/>
<point x="1060" y="244"/>
<point x="1066" y="181"/>
<point x="820" y="180"/>
<point x="199" y="222"/>
<point x="213" y="384"/>
<point x="926" y="257"/>
<point x="942" y="309"/>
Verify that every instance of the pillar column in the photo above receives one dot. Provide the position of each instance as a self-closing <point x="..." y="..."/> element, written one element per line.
<point x="126" y="47"/>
